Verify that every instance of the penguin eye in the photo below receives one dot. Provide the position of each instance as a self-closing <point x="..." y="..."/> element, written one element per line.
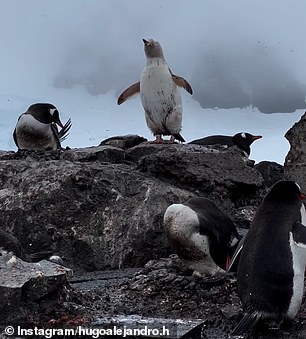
<point x="243" y="135"/>
<point x="53" y="112"/>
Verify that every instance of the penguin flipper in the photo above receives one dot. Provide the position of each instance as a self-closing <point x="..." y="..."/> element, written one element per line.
<point x="181" y="82"/>
<point x="130" y="91"/>
<point x="299" y="234"/>
<point x="64" y="132"/>
<point x="248" y="321"/>
<point x="236" y="255"/>
<point x="15" y="138"/>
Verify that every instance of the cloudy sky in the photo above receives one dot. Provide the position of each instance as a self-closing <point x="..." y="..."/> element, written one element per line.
<point x="234" y="53"/>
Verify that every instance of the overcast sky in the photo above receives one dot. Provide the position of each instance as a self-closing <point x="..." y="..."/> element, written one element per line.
<point x="234" y="54"/>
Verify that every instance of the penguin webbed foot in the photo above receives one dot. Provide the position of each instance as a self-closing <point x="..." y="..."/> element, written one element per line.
<point x="158" y="139"/>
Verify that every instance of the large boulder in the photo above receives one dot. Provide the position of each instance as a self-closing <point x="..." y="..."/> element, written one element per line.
<point x="219" y="173"/>
<point x="102" y="207"/>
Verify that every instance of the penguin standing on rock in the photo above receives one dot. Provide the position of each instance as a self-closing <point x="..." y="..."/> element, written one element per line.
<point x="273" y="258"/>
<point x="160" y="96"/>
<point x="241" y="140"/>
<point x="202" y="235"/>
<point x="36" y="129"/>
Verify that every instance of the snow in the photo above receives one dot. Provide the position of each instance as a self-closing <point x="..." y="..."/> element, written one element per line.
<point x="100" y="43"/>
<point x="95" y="118"/>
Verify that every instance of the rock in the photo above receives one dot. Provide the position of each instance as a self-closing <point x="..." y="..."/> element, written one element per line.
<point x="25" y="286"/>
<point x="206" y="171"/>
<point x="10" y="243"/>
<point x="96" y="215"/>
<point x="295" y="162"/>
<point x="136" y="153"/>
<point x="102" y="207"/>
<point x="243" y="216"/>
<point x="101" y="153"/>
<point x="270" y="171"/>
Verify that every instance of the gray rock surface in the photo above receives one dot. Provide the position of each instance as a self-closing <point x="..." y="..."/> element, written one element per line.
<point x="102" y="207"/>
<point x="295" y="162"/>
<point x="25" y="286"/>
<point x="219" y="173"/>
<point x="270" y="171"/>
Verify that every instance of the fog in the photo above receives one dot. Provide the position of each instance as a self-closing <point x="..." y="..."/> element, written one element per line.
<point x="234" y="53"/>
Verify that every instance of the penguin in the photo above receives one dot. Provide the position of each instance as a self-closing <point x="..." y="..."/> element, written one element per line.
<point x="201" y="234"/>
<point x="10" y="243"/>
<point x="160" y="97"/>
<point x="270" y="275"/>
<point x="242" y="140"/>
<point x="36" y="129"/>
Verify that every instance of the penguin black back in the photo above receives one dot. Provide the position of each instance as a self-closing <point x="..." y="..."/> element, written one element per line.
<point x="241" y="140"/>
<point x="266" y="269"/>
<point x="218" y="226"/>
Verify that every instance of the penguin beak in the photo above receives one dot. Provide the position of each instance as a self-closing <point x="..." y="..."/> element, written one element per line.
<point x="256" y="137"/>
<point x="302" y="196"/>
<point x="146" y="42"/>
<point x="58" y="121"/>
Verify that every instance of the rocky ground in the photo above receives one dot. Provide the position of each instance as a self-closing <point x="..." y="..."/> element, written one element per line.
<point x="164" y="289"/>
<point x="101" y="209"/>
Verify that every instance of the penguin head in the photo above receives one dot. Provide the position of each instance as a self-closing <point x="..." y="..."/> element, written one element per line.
<point x="246" y="138"/>
<point x="152" y="49"/>
<point x="286" y="190"/>
<point x="45" y="113"/>
<point x="243" y="140"/>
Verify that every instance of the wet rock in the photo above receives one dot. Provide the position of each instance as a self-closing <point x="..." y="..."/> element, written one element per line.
<point x="24" y="286"/>
<point x="270" y="171"/>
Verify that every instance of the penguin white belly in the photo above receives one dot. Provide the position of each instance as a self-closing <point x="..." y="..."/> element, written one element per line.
<point x="34" y="135"/>
<point x="299" y="264"/>
<point x="160" y="99"/>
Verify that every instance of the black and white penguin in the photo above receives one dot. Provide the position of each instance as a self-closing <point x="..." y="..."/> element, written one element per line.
<point x="160" y="97"/>
<point x="36" y="129"/>
<point x="10" y="243"/>
<point x="273" y="258"/>
<point x="242" y="140"/>
<point x="201" y="234"/>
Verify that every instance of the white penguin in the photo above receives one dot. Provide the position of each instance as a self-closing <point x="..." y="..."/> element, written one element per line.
<point x="160" y="96"/>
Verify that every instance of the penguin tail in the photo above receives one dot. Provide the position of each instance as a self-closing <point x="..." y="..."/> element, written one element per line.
<point x="35" y="257"/>
<point x="64" y="132"/>
<point x="248" y="321"/>
<point x="178" y="137"/>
